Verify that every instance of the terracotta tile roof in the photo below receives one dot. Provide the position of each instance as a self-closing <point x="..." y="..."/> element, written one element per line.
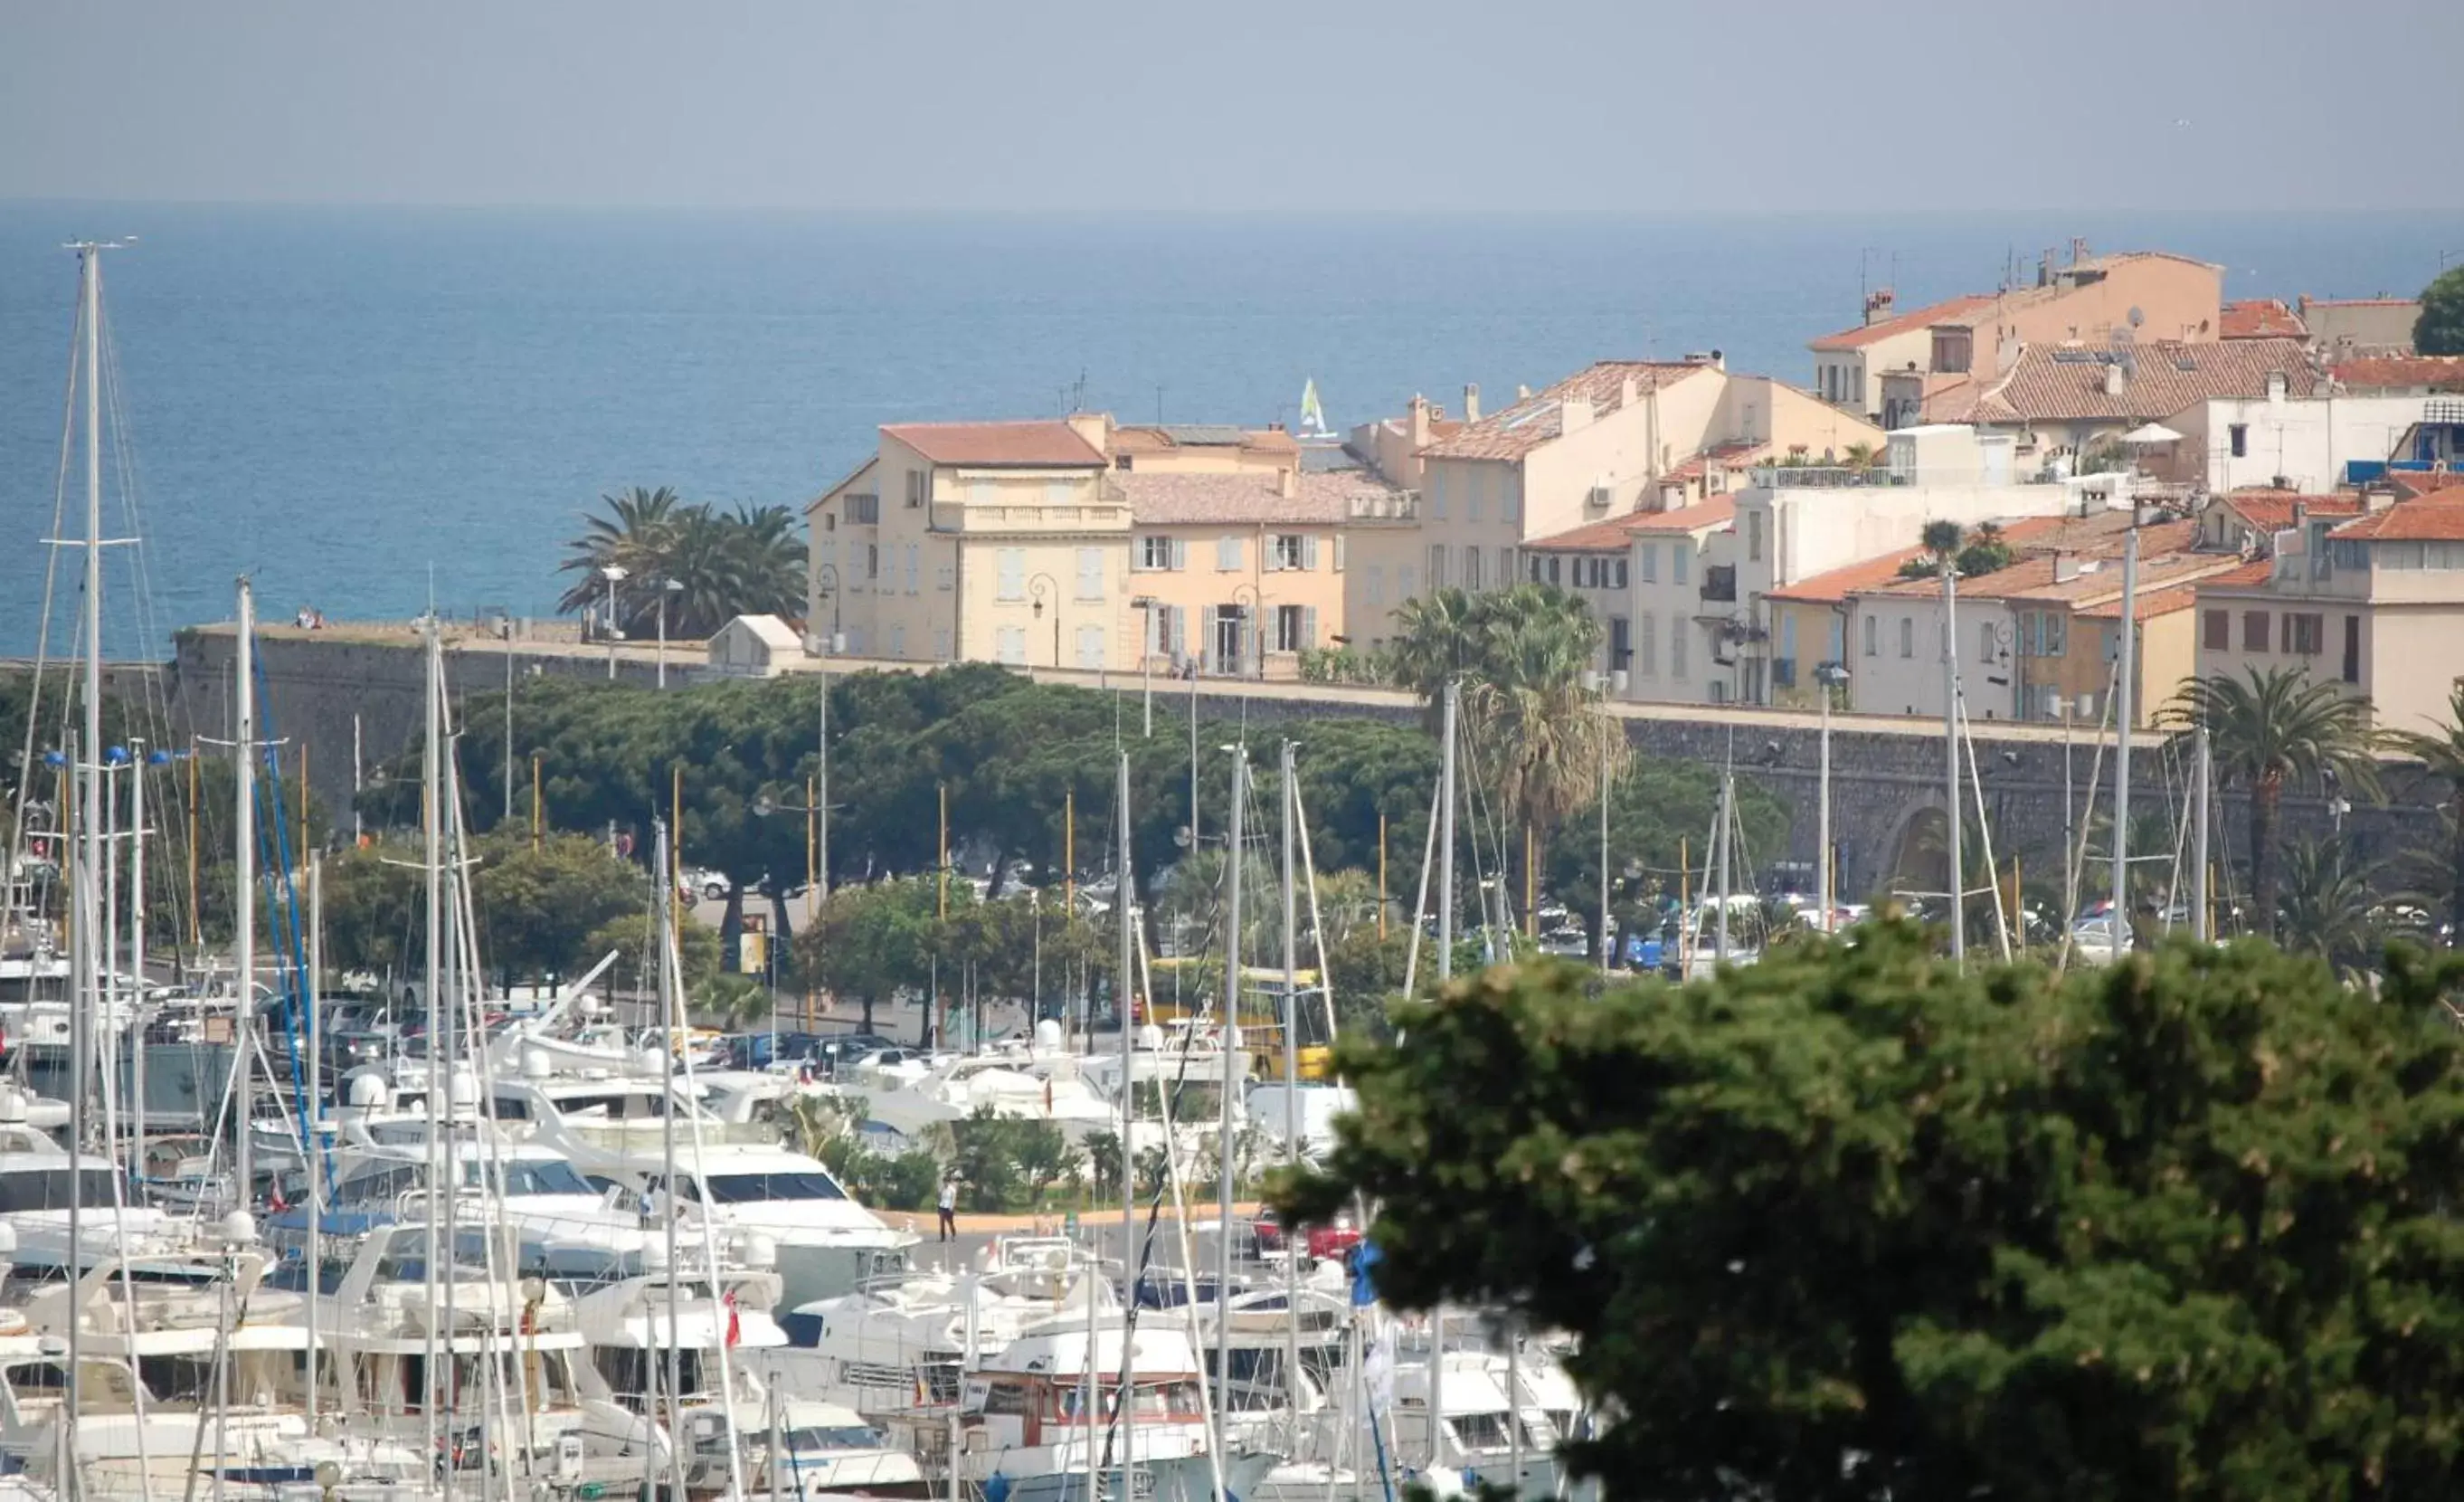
<point x="1907" y="323"/>
<point x="2160" y="602"/>
<point x="2056" y="384"/>
<point x="2035" y="541"/>
<point x="2356" y="302"/>
<point x="2372" y="372"/>
<point x="1540" y="418"/>
<point x="2248" y="576"/>
<point x="1029" y="445"/>
<point x="2423" y="482"/>
<point x="1319" y="499"/>
<point x="1838" y="583"/>
<point x="1147" y="438"/>
<point x="2102" y="580"/>
<point x="1727" y="456"/>
<point x="2261" y="318"/>
<point x="1720" y="511"/>
<point x="2437" y="519"/>
<point x="2271" y="510"/>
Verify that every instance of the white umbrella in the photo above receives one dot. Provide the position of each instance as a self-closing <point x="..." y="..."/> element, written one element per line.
<point x="2151" y="432"/>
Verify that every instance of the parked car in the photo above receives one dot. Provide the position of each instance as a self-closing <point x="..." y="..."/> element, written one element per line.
<point x="710" y="886"/>
<point x="1318" y="1242"/>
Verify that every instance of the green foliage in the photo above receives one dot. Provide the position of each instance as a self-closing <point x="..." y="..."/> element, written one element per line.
<point x="2326" y="908"/>
<point x="1984" y="553"/>
<point x="2272" y="729"/>
<point x="749" y="562"/>
<point x="909" y="1180"/>
<point x="2442" y="753"/>
<point x="869" y="944"/>
<point x="631" y="937"/>
<point x="1851" y="1224"/>
<point x="731" y="1003"/>
<point x="376" y="910"/>
<point x="2439" y="330"/>
<point x="1661" y="813"/>
<point x="538" y="909"/>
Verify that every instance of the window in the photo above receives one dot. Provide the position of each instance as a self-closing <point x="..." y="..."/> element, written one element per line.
<point x="941" y="576"/>
<point x="1436" y="566"/>
<point x="1788" y="636"/>
<point x="1677" y="645"/>
<point x="1953" y="348"/>
<point x="1680" y="559"/>
<point x="1476" y="493"/>
<point x="2306" y="635"/>
<point x="1090" y="573"/>
<point x="864" y="510"/>
<point x="981" y="492"/>
<point x="1090" y="648"/>
<point x="1009" y="646"/>
<point x="1618" y="576"/>
<point x="1405" y="586"/>
<point x="1505" y="566"/>
<point x="1338" y="552"/>
<point x="2215" y="634"/>
<point x="1754" y="549"/>
<point x="1510" y="491"/>
<point x="1438" y="492"/>
<point x="872" y="561"/>
<point x="2238" y="436"/>
<point x="1651" y="573"/>
<point x="1554" y="563"/>
<point x="2352" y="648"/>
<point x="942" y="643"/>
<point x="1985" y="647"/>
<point x="1154" y="554"/>
<point x="1288" y="552"/>
<point x="1538" y="567"/>
<point x="1060" y="493"/>
<point x="1472" y="568"/>
<point x="1227" y="555"/>
<point x="2254" y="634"/>
<point x="1908" y="646"/>
<point x="1620" y="642"/>
<point x="1374" y="584"/>
<point x="898" y="641"/>
<point x="1835" y="643"/>
<point x="1646" y="644"/>
<point x="918" y="483"/>
<point x="1295" y="628"/>
<point x="1010" y="574"/>
<point x="914" y="569"/>
<point x="1873" y="651"/>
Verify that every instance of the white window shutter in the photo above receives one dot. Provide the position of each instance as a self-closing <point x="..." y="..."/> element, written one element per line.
<point x="1309" y="634"/>
<point x="1309" y="555"/>
<point x="1338" y="552"/>
<point x="1179" y="553"/>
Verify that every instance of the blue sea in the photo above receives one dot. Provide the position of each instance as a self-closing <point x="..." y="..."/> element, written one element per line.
<point x="361" y="405"/>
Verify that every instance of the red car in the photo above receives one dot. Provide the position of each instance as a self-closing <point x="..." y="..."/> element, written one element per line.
<point x="1320" y="1242"/>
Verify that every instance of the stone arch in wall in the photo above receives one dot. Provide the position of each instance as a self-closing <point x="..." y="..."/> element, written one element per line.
<point x="1918" y="846"/>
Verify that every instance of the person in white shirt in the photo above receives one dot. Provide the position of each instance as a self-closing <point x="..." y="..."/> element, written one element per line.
<point x="950" y="1208"/>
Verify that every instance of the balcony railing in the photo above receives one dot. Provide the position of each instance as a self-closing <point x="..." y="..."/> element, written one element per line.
<point x="1849" y="476"/>
<point x="1383" y="506"/>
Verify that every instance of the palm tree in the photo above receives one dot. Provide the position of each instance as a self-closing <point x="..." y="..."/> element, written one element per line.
<point x="634" y="535"/>
<point x="2272" y="729"/>
<point x="2329" y="910"/>
<point x="1942" y="539"/>
<point x="2443" y="754"/>
<point x="1437" y="638"/>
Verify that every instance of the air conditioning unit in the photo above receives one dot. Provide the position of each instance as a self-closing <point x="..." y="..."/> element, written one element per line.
<point x="1601" y="498"/>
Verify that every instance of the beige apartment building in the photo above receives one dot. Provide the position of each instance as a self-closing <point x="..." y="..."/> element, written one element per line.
<point x="1003" y="541"/>
<point x="2373" y="602"/>
<point x="2138" y="295"/>
<point x="1618" y="440"/>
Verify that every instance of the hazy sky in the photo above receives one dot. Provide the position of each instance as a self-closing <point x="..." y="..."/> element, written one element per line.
<point x="1107" y="105"/>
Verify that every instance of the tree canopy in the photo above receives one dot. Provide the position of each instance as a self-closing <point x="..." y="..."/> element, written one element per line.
<point x="2440" y="328"/>
<point x="705" y="565"/>
<point x="1851" y="1224"/>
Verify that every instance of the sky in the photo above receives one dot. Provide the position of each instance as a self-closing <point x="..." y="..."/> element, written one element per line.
<point x="1079" y="106"/>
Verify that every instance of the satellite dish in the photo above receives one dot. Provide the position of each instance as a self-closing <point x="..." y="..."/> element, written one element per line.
<point x="1180" y="836"/>
<point x="2137" y="318"/>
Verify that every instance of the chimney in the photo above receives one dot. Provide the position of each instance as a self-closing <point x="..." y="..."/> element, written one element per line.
<point x="1626" y="392"/>
<point x="2066" y="567"/>
<point x="2377" y="498"/>
<point x="1720" y="362"/>
<point x="2079" y="249"/>
<point x="1416" y="420"/>
<point x="1471" y="405"/>
<point x="2115" y="381"/>
<point x="1877" y="306"/>
<point x="1096" y="428"/>
<point x="1522" y="393"/>
<point x="1574" y="415"/>
<point x="2044" y="278"/>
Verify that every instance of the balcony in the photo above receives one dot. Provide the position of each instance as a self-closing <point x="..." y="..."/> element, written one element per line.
<point x="952" y="515"/>
<point x="1371" y="507"/>
<point x="1879" y="477"/>
<point x="1720" y="583"/>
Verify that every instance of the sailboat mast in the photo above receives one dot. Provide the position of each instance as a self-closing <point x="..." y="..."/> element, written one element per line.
<point x="2201" y="769"/>
<point x="81" y="1035"/>
<point x="2124" y="710"/>
<point x="670" y="1037"/>
<point x="1446" y="836"/>
<point x="137" y="940"/>
<point x="432" y="821"/>
<point x="1720" y="849"/>
<point x="1124" y="998"/>
<point x="244" y="878"/>
<point x="1291" y="1085"/>
<point x="1230" y="1080"/>
<point x="315" y="1109"/>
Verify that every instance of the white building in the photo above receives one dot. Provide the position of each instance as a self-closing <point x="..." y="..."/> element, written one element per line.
<point x="2287" y="443"/>
<point x="755" y="647"/>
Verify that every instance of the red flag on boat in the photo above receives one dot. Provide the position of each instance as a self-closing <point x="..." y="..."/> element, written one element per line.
<point x="735" y="1323"/>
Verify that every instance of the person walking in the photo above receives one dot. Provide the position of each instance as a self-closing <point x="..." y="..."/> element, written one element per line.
<point x="950" y="1208"/>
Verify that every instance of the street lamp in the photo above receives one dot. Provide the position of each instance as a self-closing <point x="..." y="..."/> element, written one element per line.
<point x="615" y="574"/>
<point x="668" y="588"/>
<point x="1253" y="615"/>
<point x="1037" y="586"/>
<point x="825" y="586"/>
<point x="505" y="629"/>
<point x="1146" y="604"/>
<point x="1829" y="678"/>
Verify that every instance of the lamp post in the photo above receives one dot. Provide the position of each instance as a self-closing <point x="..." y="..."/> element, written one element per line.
<point x="615" y="574"/>
<point x="1037" y="586"/>
<point x="1252" y="630"/>
<point x="1146" y="604"/>
<point x="825" y="586"/>
<point x="1828" y="677"/>
<point x="668" y="588"/>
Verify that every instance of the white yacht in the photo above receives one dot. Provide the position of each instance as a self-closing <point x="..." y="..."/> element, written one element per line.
<point x="827" y="1243"/>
